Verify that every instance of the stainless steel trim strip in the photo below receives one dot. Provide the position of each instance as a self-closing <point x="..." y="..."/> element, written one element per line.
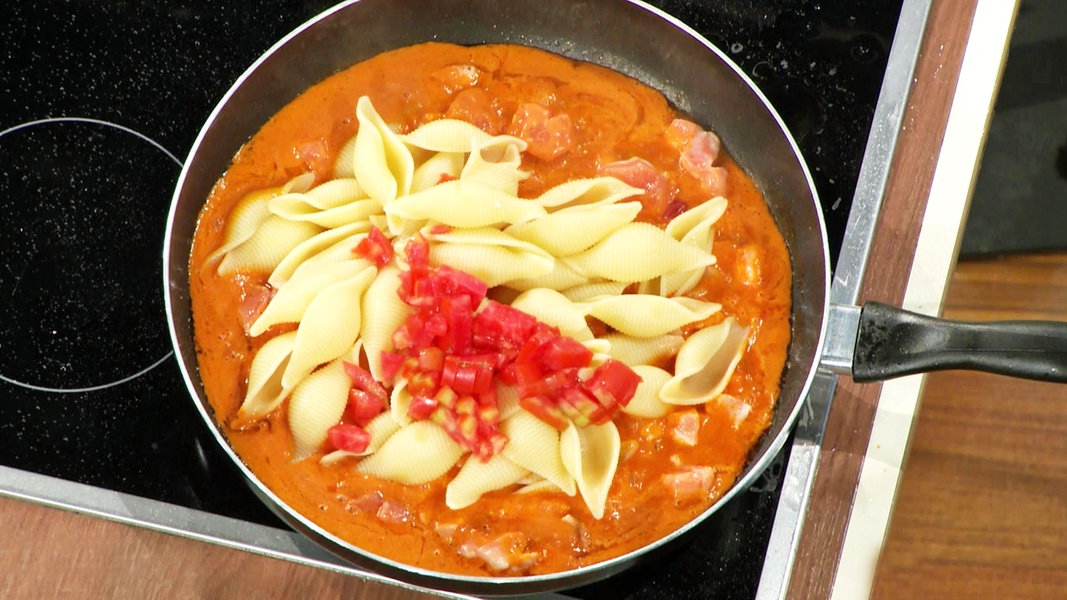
<point x="851" y="268"/>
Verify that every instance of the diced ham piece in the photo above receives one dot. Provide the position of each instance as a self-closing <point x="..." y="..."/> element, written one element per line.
<point x="253" y="303"/>
<point x="505" y="553"/>
<point x="680" y="131"/>
<point x="547" y="136"/>
<point x="737" y="409"/>
<point x="391" y="512"/>
<point x="749" y="265"/>
<point x="685" y="426"/>
<point x="476" y="106"/>
<point x="457" y="77"/>
<point x="640" y="173"/>
<point x="446" y="531"/>
<point x="691" y="483"/>
<point x="698" y="159"/>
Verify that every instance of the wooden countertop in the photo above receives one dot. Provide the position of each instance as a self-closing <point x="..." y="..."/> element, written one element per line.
<point x="49" y="553"/>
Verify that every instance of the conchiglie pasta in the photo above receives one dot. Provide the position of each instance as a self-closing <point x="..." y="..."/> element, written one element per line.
<point x="553" y="308"/>
<point x="636" y="252"/>
<point x="705" y="363"/>
<point x="489" y="254"/>
<point x="389" y="312"/>
<point x="496" y="165"/>
<point x="643" y="350"/>
<point x="590" y="192"/>
<point x="293" y="299"/>
<point x="447" y="135"/>
<point x="644" y="315"/>
<point x="265" y="391"/>
<point x="440" y="166"/>
<point x="330" y="326"/>
<point x="591" y="455"/>
<point x="646" y="402"/>
<point x="416" y="454"/>
<point x="383" y="164"/>
<point x="476" y="478"/>
<point x="273" y="239"/>
<point x="574" y="229"/>
<point x="315" y="405"/>
<point x="313" y="246"/>
<point x="463" y="203"/>
<point x="535" y="446"/>
<point x="560" y="276"/>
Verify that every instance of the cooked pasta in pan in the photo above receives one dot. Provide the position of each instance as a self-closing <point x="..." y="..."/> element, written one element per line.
<point x="471" y="320"/>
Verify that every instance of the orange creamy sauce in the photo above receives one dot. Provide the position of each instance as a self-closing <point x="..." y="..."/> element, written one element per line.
<point x="614" y="118"/>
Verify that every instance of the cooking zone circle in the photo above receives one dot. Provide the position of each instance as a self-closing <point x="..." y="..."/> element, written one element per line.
<point x="85" y="203"/>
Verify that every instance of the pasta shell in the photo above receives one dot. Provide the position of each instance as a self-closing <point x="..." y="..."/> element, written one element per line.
<point x="593" y="192"/>
<point x="294" y="207"/>
<point x="587" y="291"/>
<point x="705" y="363"/>
<point x="345" y="166"/>
<point x="496" y="164"/>
<point x="463" y="203"/>
<point x="694" y="226"/>
<point x="343" y="250"/>
<point x="385" y="313"/>
<point x="383" y="165"/>
<point x="292" y="300"/>
<point x="489" y="254"/>
<point x="312" y="247"/>
<point x="399" y="402"/>
<point x="329" y="327"/>
<point x="535" y="446"/>
<point x="645" y="315"/>
<point x="444" y="165"/>
<point x="574" y="229"/>
<point x="553" y="308"/>
<point x="265" y="391"/>
<point x="317" y="404"/>
<point x="476" y="478"/>
<point x="447" y="135"/>
<point x="643" y="350"/>
<point x="560" y="277"/>
<point x="507" y="400"/>
<point x="418" y="453"/>
<point x="273" y="239"/>
<point x="646" y="402"/>
<point x="636" y="252"/>
<point x="591" y="455"/>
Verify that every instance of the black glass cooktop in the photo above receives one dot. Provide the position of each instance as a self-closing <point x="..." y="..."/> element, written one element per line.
<point x="100" y="102"/>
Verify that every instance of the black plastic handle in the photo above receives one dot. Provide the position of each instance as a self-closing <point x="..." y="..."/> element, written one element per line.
<point x="892" y="342"/>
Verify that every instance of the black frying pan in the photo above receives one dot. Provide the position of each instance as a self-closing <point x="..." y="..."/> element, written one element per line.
<point x="698" y="79"/>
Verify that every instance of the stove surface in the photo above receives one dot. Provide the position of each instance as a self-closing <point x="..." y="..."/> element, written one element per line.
<point x="101" y="103"/>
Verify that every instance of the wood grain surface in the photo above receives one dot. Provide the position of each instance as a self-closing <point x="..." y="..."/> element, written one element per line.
<point x="982" y="508"/>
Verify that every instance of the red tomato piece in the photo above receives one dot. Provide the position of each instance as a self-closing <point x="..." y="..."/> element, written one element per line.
<point x="421" y="407"/>
<point x="613" y="383"/>
<point x="348" y="437"/>
<point x="375" y="248"/>
<point x="363" y="406"/>
<point x="362" y="379"/>
<point x="546" y="410"/>
<point x="564" y="353"/>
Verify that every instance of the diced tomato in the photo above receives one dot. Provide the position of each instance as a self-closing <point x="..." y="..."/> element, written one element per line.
<point x="565" y="353"/>
<point x="362" y="379"/>
<point x="391" y="362"/>
<point x="613" y="383"/>
<point x="502" y="327"/>
<point x="363" y="406"/>
<point x="421" y="408"/>
<point x="375" y="248"/>
<point x="348" y="437"/>
<point x="544" y="409"/>
<point x="547" y="137"/>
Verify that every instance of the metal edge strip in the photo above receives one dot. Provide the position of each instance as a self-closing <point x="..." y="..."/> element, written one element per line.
<point x="851" y="267"/>
<point x="950" y="193"/>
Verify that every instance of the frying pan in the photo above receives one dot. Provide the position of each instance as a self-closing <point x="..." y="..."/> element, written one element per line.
<point x="698" y="79"/>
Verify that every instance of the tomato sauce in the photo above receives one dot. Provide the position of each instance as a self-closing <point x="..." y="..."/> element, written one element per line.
<point x="612" y="118"/>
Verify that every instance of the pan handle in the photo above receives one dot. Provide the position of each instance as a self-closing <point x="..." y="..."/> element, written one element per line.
<point x="892" y="342"/>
